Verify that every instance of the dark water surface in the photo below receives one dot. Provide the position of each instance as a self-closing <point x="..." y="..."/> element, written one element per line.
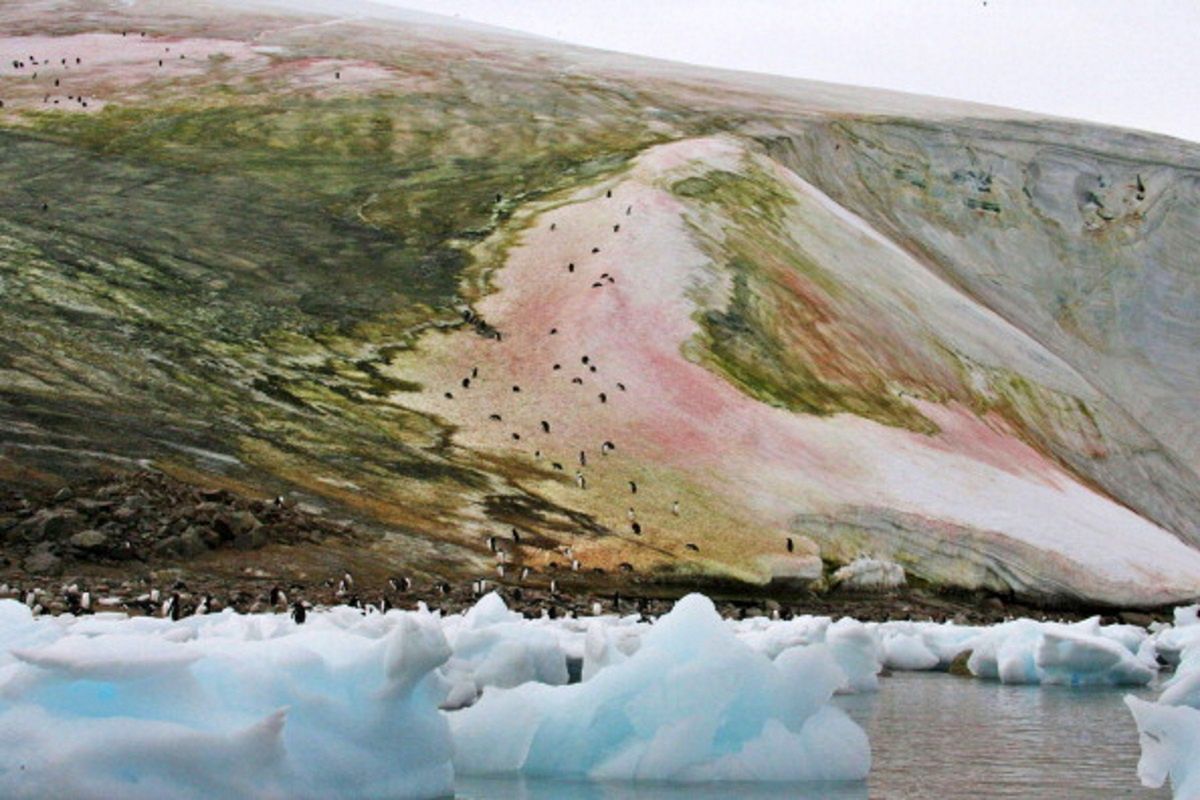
<point x="935" y="736"/>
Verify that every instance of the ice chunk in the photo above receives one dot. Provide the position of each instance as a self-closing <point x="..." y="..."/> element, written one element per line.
<point x="856" y="651"/>
<point x="907" y="651"/>
<point x="869" y="574"/>
<point x="1170" y="740"/>
<point x="1182" y="690"/>
<point x="1075" y="659"/>
<point x="691" y="704"/>
<point x="220" y="706"/>
<point x="493" y="646"/>
<point x="1187" y="615"/>
<point x="1030" y="652"/>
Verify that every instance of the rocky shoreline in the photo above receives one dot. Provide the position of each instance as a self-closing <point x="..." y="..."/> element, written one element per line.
<point x="128" y="542"/>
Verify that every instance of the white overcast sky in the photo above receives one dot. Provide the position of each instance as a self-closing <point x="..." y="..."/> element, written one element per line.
<point x="1126" y="62"/>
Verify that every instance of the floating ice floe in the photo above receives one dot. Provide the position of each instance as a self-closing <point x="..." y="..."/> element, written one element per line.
<point x="1079" y="654"/>
<point x="691" y="704"/>
<point x="222" y="706"/>
<point x="493" y="646"/>
<point x="1169" y="729"/>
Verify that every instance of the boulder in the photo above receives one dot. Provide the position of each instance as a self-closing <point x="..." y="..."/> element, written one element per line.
<point x="191" y="543"/>
<point x="90" y="539"/>
<point x="959" y="665"/>
<point x="53" y="524"/>
<point x="43" y="562"/>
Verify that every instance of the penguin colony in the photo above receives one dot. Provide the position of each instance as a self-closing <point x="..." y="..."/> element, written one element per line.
<point x="604" y="395"/>
<point x="53" y="73"/>
<point x="543" y="434"/>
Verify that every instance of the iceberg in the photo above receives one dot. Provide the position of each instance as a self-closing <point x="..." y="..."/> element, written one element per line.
<point x="692" y="704"/>
<point x="1169" y="729"/>
<point x="1081" y="654"/>
<point x="223" y="706"/>
<point x="1170" y="741"/>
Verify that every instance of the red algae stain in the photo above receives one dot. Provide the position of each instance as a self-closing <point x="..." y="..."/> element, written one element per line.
<point x="989" y="440"/>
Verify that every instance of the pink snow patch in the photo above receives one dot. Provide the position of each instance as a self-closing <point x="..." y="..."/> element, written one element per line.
<point x="102" y="67"/>
<point x="335" y="74"/>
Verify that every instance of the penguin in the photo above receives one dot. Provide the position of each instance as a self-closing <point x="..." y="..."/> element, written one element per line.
<point x="637" y="528"/>
<point x="577" y="380"/>
<point x="616" y="228"/>
<point x="557" y="367"/>
<point x="516" y="536"/>
<point x="692" y="547"/>
<point x="603" y="397"/>
<point x="585" y="359"/>
<point x="595" y="249"/>
<point x="580" y="480"/>
<point x="557" y="466"/>
<point x="553" y="587"/>
<point x="571" y="267"/>
<point x="474" y="372"/>
<point x="495" y="417"/>
<point x="173" y="608"/>
<point x="278" y="598"/>
<point x="466" y="383"/>
<point x="524" y="573"/>
<point x="449" y="396"/>
<point x="349" y="580"/>
<point x="675" y="508"/>
<point x="582" y="458"/>
<point x="516" y="388"/>
<point x="608" y="193"/>
<point x="299" y="613"/>
<point x="631" y="514"/>
<point x="791" y="546"/>
<point x="620" y="386"/>
<point x="553" y="226"/>
<point x="606" y="448"/>
<point x="553" y="331"/>
<point x="85" y="601"/>
<point x="628" y="210"/>
<point x="632" y="487"/>
<point x="598" y="285"/>
<point x="500" y="570"/>
<point x="492" y="544"/>
<point x="545" y="426"/>
<point x="516" y="436"/>
<point x="575" y="565"/>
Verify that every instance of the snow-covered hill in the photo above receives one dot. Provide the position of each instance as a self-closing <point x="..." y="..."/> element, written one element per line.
<point x="665" y="322"/>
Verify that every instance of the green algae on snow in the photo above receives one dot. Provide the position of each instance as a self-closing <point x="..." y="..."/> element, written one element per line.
<point x="776" y="340"/>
